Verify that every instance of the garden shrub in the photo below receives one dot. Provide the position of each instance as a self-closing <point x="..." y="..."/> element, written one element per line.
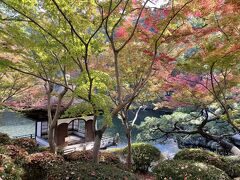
<point x="190" y="170"/>
<point x="78" y="164"/>
<point x="143" y="155"/>
<point x="4" y="139"/>
<point x="88" y="171"/>
<point x="28" y="144"/>
<point x="44" y="158"/>
<point x="199" y="155"/>
<point x="17" y="154"/>
<point x="116" y="151"/>
<point x="60" y="151"/>
<point x="86" y="156"/>
<point x="2" y="150"/>
<point x="230" y="166"/>
<point x="39" y="163"/>
<point x="79" y="156"/>
<point x="9" y="170"/>
<point x="190" y="153"/>
<point x="42" y="149"/>
<point x="109" y="158"/>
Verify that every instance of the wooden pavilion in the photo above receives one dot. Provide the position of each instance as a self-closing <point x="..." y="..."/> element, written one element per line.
<point x="68" y="131"/>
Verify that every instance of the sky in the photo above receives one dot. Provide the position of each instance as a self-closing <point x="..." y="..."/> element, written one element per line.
<point x="157" y="3"/>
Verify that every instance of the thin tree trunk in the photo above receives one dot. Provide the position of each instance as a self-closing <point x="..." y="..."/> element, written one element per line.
<point x="97" y="144"/>
<point x="51" y="140"/>
<point x="52" y="121"/>
<point x="96" y="147"/>
<point x="129" y="155"/>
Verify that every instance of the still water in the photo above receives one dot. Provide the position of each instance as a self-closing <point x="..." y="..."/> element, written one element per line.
<point x="15" y="124"/>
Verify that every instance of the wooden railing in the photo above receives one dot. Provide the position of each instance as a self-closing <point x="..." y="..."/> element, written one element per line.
<point x="32" y="136"/>
<point x="78" y="147"/>
<point x="69" y="150"/>
<point x="105" y="143"/>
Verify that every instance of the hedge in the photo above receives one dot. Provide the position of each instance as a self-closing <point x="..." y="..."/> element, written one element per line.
<point x="87" y="171"/>
<point x="143" y="155"/>
<point x="190" y="170"/>
<point x="28" y="144"/>
<point x="230" y="165"/>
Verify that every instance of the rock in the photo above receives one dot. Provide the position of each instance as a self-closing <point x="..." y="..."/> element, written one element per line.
<point x="236" y="139"/>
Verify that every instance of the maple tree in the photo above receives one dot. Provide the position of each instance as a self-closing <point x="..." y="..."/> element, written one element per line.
<point x="135" y="41"/>
<point x="206" y="74"/>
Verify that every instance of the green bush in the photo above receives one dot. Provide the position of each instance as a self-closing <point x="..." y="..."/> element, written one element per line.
<point x="230" y="166"/>
<point x="199" y="155"/>
<point x="9" y="170"/>
<point x="143" y="155"/>
<point x="38" y="164"/>
<point x="87" y="171"/>
<point x="28" y="144"/>
<point x="190" y="170"/>
<point x="4" y="139"/>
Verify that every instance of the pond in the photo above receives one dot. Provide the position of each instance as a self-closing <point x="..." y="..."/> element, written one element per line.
<point x="15" y="124"/>
<point x="169" y="149"/>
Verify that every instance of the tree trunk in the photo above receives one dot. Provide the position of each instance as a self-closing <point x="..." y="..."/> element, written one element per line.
<point x="51" y="140"/>
<point x="97" y="144"/>
<point x="225" y="144"/>
<point x="129" y="155"/>
<point x="230" y="147"/>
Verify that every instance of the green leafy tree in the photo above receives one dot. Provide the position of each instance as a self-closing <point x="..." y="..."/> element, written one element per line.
<point x="58" y="37"/>
<point x="13" y="85"/>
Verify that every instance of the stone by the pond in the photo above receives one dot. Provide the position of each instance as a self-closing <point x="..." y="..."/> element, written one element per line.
<point x="236" y="139"/>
